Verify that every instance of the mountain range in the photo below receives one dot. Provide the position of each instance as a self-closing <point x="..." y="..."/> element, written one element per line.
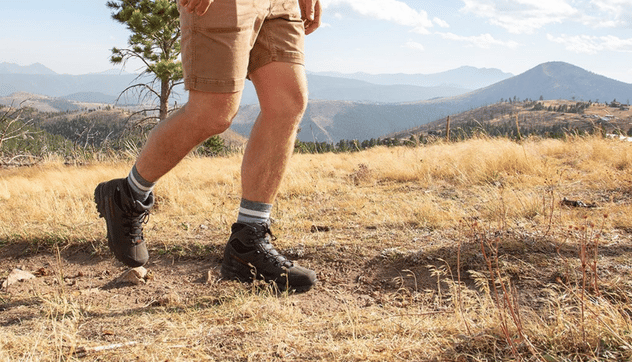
<point x="462" y="77"/>
<point x="360" y="87"/>
<point x="351" y="107"/>
<point x="331" y="121"/>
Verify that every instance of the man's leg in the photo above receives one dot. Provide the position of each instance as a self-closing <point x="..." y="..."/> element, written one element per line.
<point x="282" y="91"/>
<point x="204" y="115"/>
<point x="123" y="205"/>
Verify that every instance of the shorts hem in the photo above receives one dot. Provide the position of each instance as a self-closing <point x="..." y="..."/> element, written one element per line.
<point x="214" y="86"/>
<point x="294" y="58"/>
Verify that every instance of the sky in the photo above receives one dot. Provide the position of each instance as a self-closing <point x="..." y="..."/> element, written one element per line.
<point x="372" y="36"/>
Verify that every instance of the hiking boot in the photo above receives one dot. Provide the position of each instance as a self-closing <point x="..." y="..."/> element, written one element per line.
<point x="249" y="255"/>
<point x="124" y="217"/>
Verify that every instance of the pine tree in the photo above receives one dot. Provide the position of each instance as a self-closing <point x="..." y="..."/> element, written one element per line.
<point x="155" y="40"/>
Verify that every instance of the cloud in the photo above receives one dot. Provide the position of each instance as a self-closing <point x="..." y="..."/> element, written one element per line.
<point x="527" y="16"/>
<point x="389" y="10"/>
<point x="414" y="45"/>
<point x="484" y="41"/>
<point x="440" y="22"/>
<point x="608" y="13"/>
<point x="521" y="16"/>
<point x="588" y="44"/>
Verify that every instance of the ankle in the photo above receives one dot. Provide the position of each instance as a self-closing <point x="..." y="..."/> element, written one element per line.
<point x="139" y="186"/>
<point x="252" y="212"/>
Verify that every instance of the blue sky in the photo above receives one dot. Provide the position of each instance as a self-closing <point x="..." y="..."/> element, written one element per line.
<point x="373" y="36"/>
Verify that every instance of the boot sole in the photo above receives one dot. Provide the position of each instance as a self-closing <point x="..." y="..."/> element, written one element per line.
<point x="100" y="202"/>
<point x="231" y="272"/>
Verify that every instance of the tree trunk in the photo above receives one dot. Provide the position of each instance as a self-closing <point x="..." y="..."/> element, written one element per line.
<point x="164" y="99"/>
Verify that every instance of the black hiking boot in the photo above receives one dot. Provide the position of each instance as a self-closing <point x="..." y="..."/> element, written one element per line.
<point x="249" y="255"/>
<point x="124" y="217"/>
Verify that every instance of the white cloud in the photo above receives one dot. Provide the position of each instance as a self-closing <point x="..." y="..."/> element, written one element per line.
<point x="389" y="10"/>
<point x="440" y="22"/>
<point x="521" y="16"/>
<point x="484" y="41"/>
<point x="608" y="13"/>
<point x="414" y="45"/>
<point x="588" y="44"/>
<point x="527" y="16"/>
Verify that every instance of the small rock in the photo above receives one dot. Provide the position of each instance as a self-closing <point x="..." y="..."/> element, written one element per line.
<point x="134" y="276"/>
<point x="90" y="291"/>
<point x="17" y="275"/>
<point x="171" y="299"/>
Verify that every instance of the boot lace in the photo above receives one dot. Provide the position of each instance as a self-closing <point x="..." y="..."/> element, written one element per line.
<point x="270" y="253"/>
<point x="133" y="224"/>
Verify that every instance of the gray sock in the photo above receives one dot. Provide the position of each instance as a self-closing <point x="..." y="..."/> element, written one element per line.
<point x="140" y="187"/>
<point x="252" y="212"/>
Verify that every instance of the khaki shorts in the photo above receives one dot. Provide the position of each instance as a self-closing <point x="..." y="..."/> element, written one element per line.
<point x="236" y="37"/>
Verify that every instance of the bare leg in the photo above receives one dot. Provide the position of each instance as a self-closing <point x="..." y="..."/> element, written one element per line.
<point x="282" y="91"/>
<point x="204" y="115"/>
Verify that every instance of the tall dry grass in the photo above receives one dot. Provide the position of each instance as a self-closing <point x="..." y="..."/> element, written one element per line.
<point x="444" y="232"/>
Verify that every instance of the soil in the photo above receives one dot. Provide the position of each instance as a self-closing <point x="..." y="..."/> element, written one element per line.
<point x="371" y="274"/>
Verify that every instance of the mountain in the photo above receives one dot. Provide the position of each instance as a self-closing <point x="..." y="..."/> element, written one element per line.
<point x="555" y="80"/>
<point x="90" y="97"/>
<point x="331" y="121"/>
<point x="342" y="108"/>
<point x="37" y="79"/>
<point x="341" y="89"/>
<point x="37" y="68"/>
<point x="59" y="85"/>
<point x="344" y="89"/>
<point x="39" y="102"/>
<point x="464" y="77"/>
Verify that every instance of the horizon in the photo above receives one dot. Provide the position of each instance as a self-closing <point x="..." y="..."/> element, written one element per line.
<point x="369" y="36"/>
<point x="115" y="71"/>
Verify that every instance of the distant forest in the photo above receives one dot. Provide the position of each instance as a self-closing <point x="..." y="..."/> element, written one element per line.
<point x="26" y="134"/>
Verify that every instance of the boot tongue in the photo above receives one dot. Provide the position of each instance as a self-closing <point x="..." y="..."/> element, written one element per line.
<point x="131" y="205"/>
<point x="145" y="205"/>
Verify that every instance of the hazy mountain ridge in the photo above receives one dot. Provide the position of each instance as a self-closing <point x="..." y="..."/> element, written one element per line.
<point x="466" y="77"/>
<point x="333" y="120"/>
<point x="38" y="79"/>
<point x="553" y="80"/>
<point x="36" y="68"/>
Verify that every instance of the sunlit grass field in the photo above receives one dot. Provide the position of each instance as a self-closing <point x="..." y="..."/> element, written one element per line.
<point x="444" y="252"/>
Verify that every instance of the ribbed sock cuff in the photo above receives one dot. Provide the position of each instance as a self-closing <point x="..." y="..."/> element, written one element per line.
<point x="252" y="212"/>
<point x="140" y="187"/>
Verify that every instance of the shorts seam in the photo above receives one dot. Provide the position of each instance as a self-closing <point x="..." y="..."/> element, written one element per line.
<point x="214" y="85"/>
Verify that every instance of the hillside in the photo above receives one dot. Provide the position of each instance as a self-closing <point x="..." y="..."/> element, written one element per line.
<point x="328" y="120"/>
<point x="551" y="81"/>
<point x="553" y="117"/>
<point x="104" y="128"/>
<point x="554" y="80"/>
<point x="482" y="250"/>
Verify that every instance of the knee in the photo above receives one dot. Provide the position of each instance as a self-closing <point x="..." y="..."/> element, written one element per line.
<point x="211" y="118"/>
<point x="289" y="105"/>
<point x="216" y="124"/>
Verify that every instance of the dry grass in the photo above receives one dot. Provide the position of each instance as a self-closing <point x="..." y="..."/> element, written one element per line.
<point x="449" y="252"/>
